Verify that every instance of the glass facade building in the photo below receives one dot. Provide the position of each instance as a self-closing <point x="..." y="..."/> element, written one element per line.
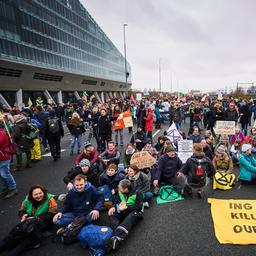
<point x="59" y="35"/>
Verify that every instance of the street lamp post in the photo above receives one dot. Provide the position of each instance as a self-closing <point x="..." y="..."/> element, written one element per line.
<point x="125" y="61"/>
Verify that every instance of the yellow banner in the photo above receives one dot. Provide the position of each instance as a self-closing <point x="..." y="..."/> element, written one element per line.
<point x="234" y="220"/>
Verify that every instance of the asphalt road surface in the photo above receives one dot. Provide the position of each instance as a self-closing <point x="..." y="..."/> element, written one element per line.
<point x="182" y="228"/>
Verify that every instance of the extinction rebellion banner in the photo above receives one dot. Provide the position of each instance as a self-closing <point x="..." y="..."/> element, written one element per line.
<point x="234" y="220"/>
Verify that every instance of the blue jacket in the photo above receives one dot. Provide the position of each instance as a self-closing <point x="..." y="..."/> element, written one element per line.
<point x="111" y="181"/>
<point x="247" y="166"/>
<point x="167" y="168"/>
<point x="83" y="202"/>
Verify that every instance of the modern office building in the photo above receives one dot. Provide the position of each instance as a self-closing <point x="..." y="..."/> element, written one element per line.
<point x="55" y="49"/>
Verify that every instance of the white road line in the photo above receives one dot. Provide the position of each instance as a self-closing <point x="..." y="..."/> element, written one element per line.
<point x="156" y="133"/>
<point x="49" y="154"/>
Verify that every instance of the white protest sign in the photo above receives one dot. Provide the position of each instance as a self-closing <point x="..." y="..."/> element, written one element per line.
<point x="173" y="134"/>
<point x="138" y="96"/>
<point x="185" y="150"/>
<point x="225" y="127"/>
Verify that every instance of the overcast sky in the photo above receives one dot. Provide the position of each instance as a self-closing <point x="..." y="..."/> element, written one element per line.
<point x="202" y="44"/>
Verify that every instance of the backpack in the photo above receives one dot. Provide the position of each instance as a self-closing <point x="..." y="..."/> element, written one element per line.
<point x="12" y="147"/>
<point x="71" y="231"/>
<point x="93" y="236"/>
<point x="53" y="125"/>
<point x="199" y="174"/>
<point x="223" y="181"/>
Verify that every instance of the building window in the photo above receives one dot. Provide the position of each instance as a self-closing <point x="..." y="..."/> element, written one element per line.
<point x="41" y="76"/>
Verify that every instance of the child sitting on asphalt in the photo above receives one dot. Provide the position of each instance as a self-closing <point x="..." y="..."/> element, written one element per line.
<point x="108" y="182"/>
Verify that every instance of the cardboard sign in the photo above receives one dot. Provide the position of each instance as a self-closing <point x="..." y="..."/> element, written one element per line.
<point x="142" y="159"/>
<point x="234" y="220"/>
<point x="225" y="127"/>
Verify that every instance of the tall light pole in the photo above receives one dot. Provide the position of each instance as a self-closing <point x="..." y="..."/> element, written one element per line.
<point x="160" y="78"/>
<point x="125" y="61"/>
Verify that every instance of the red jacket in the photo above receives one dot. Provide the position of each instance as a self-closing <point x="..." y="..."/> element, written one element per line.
<point x="4" y="146"/>
<point x="92" y="157"/>
<point x="149" y="120"/>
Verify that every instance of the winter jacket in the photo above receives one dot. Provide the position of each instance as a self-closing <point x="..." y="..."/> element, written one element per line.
<point x="21" y="131"/>
<point x="113" y="157"/>
<point x="195" y="137"/>
<point x="235" y="138"/>
<point x="4" y="146"/>
<point x="149" y="120"/>
<point x="49" y="134"/>
<point x="140" y="182"/>
<point x="223" y="164"/>
<point x="134" y="196"/>
<point x="247" y="164"/>
<point x="111" y="181"/>
<point x="167" y="168"/>
<point x="76" y="129"/>
<point x="244" y="110"/>
<point x="91" y="176"/>
<point x="141" y="136"/>
<point x="231" y="115"/>
<point x="208" y="152"/>
<point x="191" y="165"/>
<point x="83" y="202"/>
<point x="92" y="157"/>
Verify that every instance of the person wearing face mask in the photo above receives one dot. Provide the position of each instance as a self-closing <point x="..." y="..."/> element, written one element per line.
<point x="35" y="214"/>
<point x="167" y="171"/>
<point x="247" y="164"/>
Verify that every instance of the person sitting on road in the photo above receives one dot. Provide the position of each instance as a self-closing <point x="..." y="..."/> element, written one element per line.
<point x="140" y="182"/>
<point x="150" y="149"/>
<point x="247" y="164"/>
<point x="110" y="156"/>
<point x="90" y="153"/>
<point x="108" y="182"/>
<point x="83" y="199"/>
<point x="160" y="143"/>
<point x="251" y="139"/>
<point x="196" y="169"/>
<point x="130" y="150"/>
<point x="223" y="165"/>
<point x="82" y="168"/>
<point x="126" y="213"/>
<point x="36" y="212"/>
<point x="139" y="139"/>
<point x="167" y="171"/>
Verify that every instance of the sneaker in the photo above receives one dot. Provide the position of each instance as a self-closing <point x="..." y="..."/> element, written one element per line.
<point x="4" y="192"/>
<point x="155" y="191"/>
<point x="199" y="193"/>
<point x="146" y="205"/>
<point x="61" y="231"/>
<point x="112" y="244"/>
<point x="11" y="193"/>
<point x="46" y="149"/>
<point x="35" y="246"/>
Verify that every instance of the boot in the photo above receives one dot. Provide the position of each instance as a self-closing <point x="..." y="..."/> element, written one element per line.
<point x="11" y="193"/>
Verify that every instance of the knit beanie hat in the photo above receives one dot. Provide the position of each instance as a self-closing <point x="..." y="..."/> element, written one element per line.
<point x="170" y="148"/>
<point x="84" y="162"/>
<point x="245" y="147"/>
<point x="221" y="149"/>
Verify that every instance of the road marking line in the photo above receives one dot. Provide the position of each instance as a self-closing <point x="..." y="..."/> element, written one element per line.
<point x="49" y="154"/>
<point x="156" y="133"/>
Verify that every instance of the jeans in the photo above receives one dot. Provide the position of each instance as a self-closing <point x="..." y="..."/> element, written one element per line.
<point x="5" y="175"/>
<point x="120" y="132"/>
<point x="76" y="138"/>
<point x="68" y="217"/>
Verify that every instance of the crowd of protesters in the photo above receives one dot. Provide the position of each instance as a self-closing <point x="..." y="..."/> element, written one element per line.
<point x="105" y="179"/>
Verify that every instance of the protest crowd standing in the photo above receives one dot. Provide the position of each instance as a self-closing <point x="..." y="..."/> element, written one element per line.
<point x="104" y="179"/>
